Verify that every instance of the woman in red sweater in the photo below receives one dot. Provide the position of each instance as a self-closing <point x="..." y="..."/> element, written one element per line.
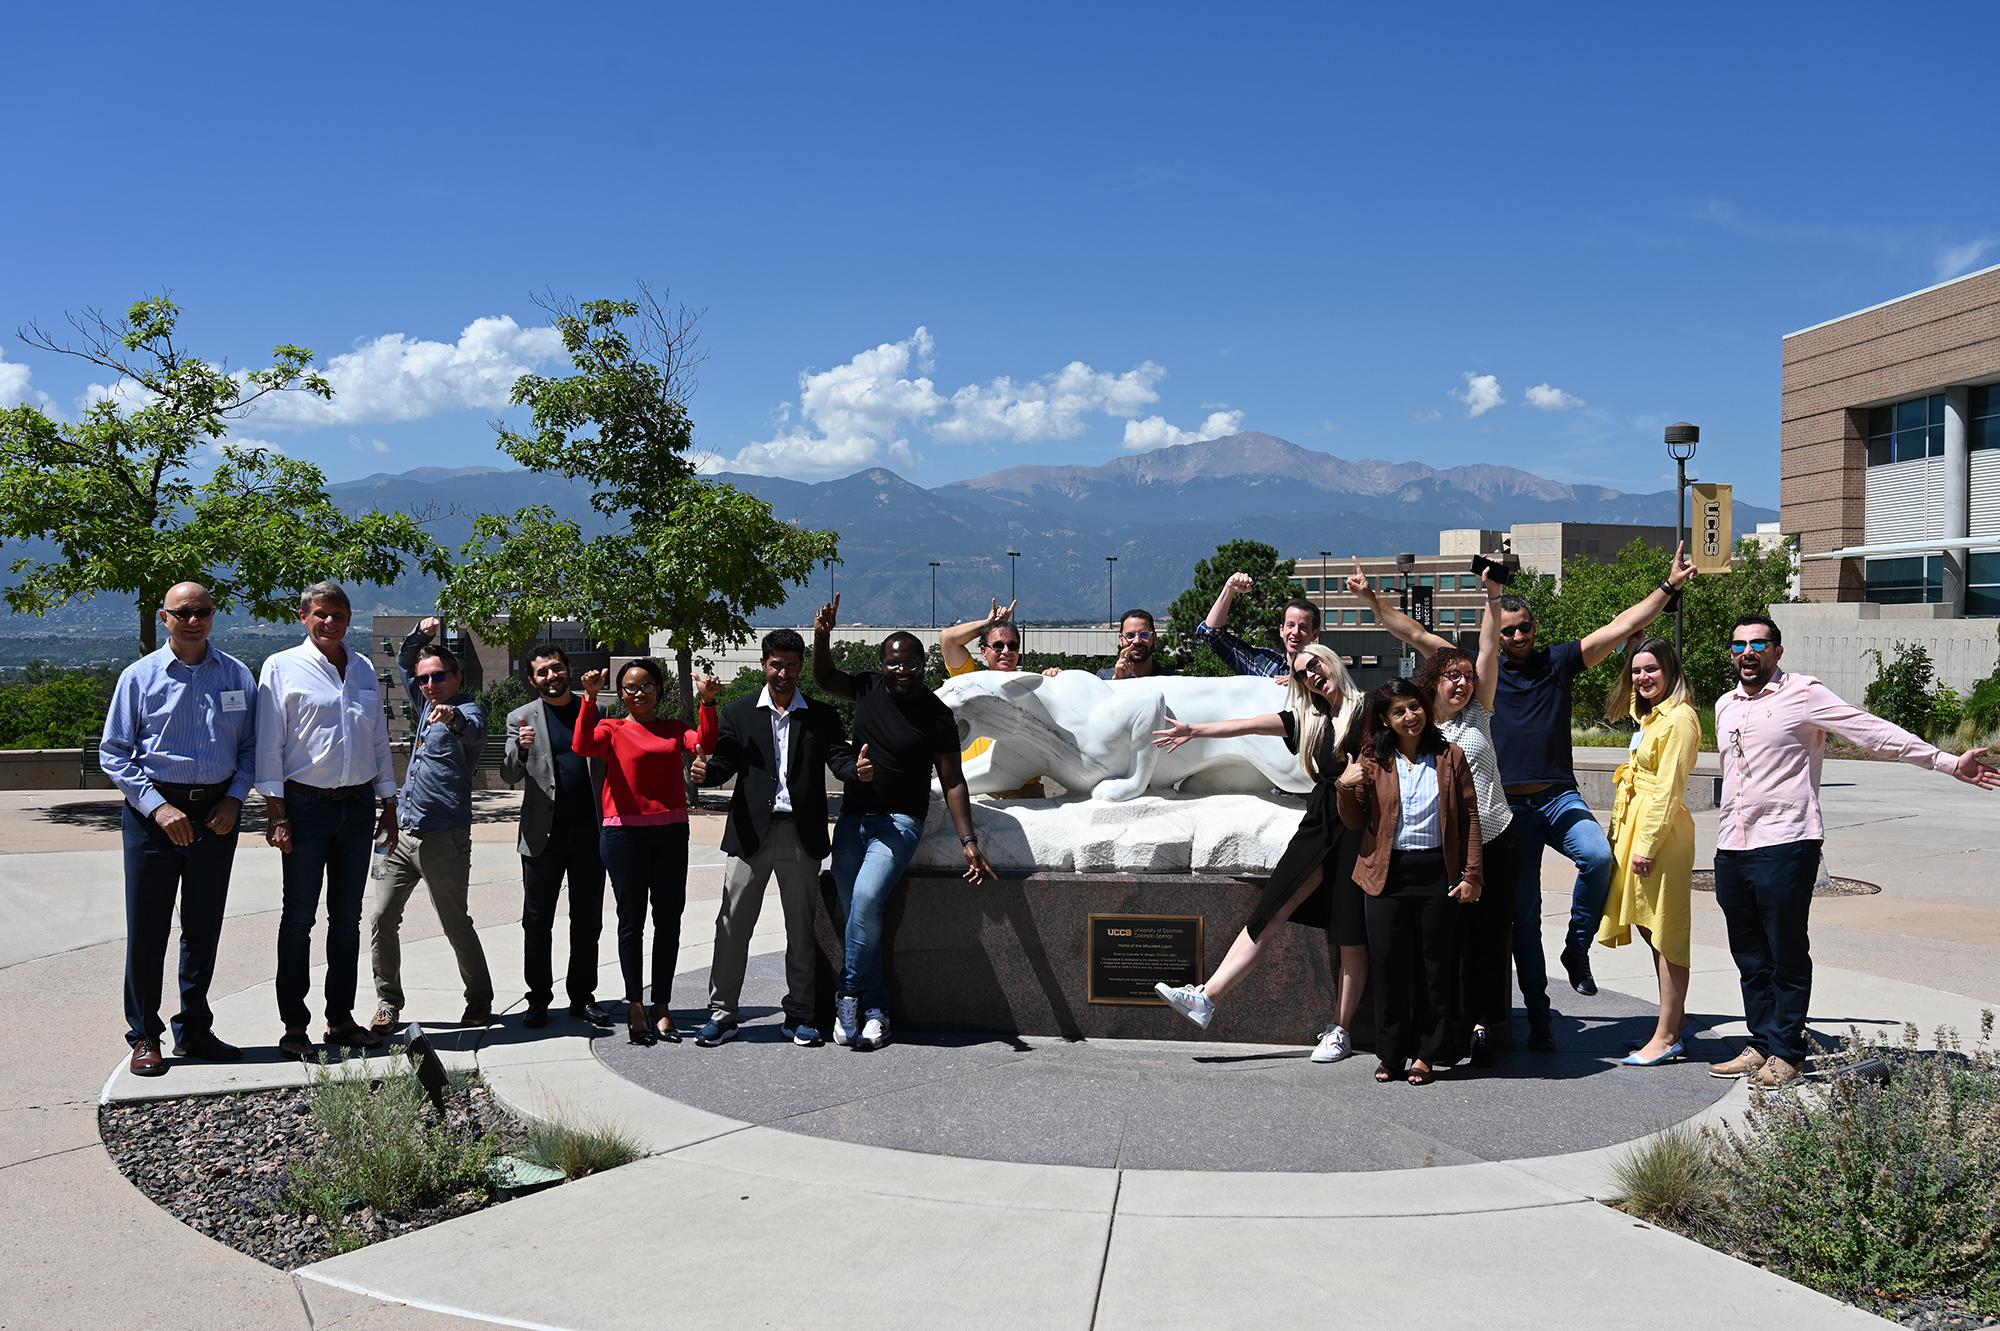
<point x="644" y="844"/>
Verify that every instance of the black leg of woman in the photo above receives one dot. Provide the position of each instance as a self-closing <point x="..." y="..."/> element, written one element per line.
<point x="668" y="873"/>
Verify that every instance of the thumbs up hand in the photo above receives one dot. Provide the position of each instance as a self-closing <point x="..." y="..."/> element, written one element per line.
<point x="864" y="770"/>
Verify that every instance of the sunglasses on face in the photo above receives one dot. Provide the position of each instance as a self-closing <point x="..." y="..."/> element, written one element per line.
<point x="1755" y="645"/>
<point x="1139" y="635"/>
<point x="1003" y="646"/>
<point x="434" y="677"/>
<point x="902" y="667"/>
<point x="197" y="614"/>
<point x="1517" y="630"/>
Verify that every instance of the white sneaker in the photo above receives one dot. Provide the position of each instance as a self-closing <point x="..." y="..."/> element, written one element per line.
<point x="1333" y="1045"/>
<point x="875" y="1031"/>
<point x="846" y="1018"/>
<point x="1189" y="1001"/>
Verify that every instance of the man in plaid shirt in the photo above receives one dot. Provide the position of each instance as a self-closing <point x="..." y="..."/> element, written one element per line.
<point x="1300" y="627"/>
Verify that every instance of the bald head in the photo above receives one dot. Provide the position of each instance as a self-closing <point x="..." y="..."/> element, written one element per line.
<point x="182" y="591"/>
<point x="188" y="611"/>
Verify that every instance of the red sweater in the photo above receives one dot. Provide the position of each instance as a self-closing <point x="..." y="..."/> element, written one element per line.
<point x="642" y="779"/>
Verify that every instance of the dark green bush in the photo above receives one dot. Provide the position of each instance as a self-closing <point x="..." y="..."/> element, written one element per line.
<point x="1903" y="689"/>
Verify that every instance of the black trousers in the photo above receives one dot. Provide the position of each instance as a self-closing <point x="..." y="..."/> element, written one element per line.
<point x="571" y="852"/>
<point x="1413" y="944"/>
<point x="1766" y="897"/>
<point x="156" y="873"/>
<point x="648" y="866"/>
<point x="1486" y="951"/>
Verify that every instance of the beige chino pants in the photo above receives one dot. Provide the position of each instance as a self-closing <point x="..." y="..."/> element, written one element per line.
<point x="442" y="860"/>
<point x="743" y="884"/>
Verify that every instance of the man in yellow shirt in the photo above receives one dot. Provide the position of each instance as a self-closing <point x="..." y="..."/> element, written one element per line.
<point x="999" y="639"/>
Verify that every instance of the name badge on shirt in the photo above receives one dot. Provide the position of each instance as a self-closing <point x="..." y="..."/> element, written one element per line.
<point x="233" y="700"/>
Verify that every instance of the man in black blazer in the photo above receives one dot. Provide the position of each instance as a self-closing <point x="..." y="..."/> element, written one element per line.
<point x="778" y="746"/>
<point x="561" y="814"/>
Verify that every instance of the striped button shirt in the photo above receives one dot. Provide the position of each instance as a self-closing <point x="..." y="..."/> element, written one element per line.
<point x="191" y="725"/>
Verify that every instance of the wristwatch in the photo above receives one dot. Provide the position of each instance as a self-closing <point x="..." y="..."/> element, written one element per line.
<point x="969" y="839"/>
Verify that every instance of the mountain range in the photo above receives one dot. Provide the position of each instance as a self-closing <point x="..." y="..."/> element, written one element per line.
<point x="1157" y="512"/>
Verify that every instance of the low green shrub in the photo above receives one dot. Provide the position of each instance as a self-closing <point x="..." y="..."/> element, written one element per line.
<point x="1671" y="1179"/>
<point x="1878" y="1192"/>
<point x="579" y="1148"/>
<point x="386" y="1146"/>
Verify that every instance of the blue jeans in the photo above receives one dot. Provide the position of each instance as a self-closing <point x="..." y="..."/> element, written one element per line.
<point x="330" y="847"/>
<point x="156" y="871"/>
<point x="1555" y="817"/>
<point x="870" y="852"/>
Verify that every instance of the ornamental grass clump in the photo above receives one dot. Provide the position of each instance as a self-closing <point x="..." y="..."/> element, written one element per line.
<point x="1878" y="1192"/>
<point x="1672" y="1179"/>
<point x="386" y="1146"/>
<point x="578" y="1149"/>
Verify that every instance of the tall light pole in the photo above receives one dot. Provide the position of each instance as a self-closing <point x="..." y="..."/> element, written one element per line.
<point x="1324" y="555"/>
<point x="1681" y="441"/>
<point x="1404" y="563"/>
<point x="1110" y="596"/>
<point x="934" y="569"/>
<point x="1013" y="567"/>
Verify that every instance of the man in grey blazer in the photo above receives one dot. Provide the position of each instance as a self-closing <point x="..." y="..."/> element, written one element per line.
<point x="562" y="812"/>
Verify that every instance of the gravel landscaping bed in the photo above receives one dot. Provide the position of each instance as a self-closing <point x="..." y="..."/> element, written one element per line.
<point x="220" y="1164"/>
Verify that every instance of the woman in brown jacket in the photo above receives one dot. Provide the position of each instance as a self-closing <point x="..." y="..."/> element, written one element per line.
<point x="1411" y="797"/>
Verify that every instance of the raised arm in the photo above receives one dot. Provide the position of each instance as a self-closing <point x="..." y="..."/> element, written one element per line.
<point x="1599" y="646"/>
<point x="406" y="664"/>
<point x="1487" y="682"/>
<point x="1225" y="600"/>
<point x="592" y="737"/>
<point x="826" y="674"/>
<point x="952" y="641"/>
<point x="1177" y="732"/>
<point x="1391" y="618"/>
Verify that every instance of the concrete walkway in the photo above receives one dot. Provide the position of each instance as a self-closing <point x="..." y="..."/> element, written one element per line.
<point x="733" y="1224"/>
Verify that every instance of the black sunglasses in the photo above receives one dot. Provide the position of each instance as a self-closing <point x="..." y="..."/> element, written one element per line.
<point x="1003" y="646"/>
<point x="199" y="612"/>
<point x="434" y="677"/>
<point x="1517" y="630"/>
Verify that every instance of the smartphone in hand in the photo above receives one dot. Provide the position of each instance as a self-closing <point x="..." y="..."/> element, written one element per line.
<point x="1493" y="568"/>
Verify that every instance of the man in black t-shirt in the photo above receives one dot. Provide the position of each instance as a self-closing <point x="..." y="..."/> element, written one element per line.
<point x="1531" y="739"/>
<point x="902" y="733"/>
<point x="561" y="814"/>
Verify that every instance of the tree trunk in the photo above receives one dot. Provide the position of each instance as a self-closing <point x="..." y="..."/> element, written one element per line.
<point x="149" y="627"/>
<point x="684" y="667"/>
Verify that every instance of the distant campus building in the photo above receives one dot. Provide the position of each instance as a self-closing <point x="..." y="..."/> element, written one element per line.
<point x="1890" y="476"/>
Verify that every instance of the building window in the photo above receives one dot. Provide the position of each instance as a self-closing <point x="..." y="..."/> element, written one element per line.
<point x="1309" y="584"/>
<point x="1349" y="617"/>
<point x="1982" y="584"/>
<point x="1468" y="616"/>
<point x="1906" y="580"/>
<point x="1427" y="581"/>
<point x="1368" y="616"/>
<point x="1905" y="431"/>
<point x="1447" y="616"/>
<point x="1983" y="407"/>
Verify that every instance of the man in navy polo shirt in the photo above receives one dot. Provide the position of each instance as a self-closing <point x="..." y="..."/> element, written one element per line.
<point x="1531" y="738"/>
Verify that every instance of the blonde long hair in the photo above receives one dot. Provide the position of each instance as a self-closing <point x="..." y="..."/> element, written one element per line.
<point x="1316" y="712"/>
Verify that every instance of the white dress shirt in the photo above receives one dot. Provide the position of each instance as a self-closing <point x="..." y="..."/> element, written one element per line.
<point x="781" y="743"/>
<point x="319" y="727"/>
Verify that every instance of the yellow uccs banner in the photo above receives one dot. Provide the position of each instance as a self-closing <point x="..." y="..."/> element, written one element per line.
<point x="1712" y="539"/>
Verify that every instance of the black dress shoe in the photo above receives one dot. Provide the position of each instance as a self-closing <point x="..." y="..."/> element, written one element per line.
<point x="1481" y="1049"/>
<point x="1577" y="962"/>
<point x="591" y="1013"/>
<point x="207" y="1048"/>
<point x="1541" y="1036"/>
<point x="538" y="1017"/>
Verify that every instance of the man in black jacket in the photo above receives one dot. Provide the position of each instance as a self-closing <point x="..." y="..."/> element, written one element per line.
<point x="778" y="746"/>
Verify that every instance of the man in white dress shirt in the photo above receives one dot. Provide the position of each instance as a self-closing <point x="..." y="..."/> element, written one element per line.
<point x="322" y="765"/>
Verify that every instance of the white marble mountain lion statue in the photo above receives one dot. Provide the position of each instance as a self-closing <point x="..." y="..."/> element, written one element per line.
<point x="1096" y="735"/>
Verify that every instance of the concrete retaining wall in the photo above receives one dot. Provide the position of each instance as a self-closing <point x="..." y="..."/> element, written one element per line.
<point x="1832" y="641"/>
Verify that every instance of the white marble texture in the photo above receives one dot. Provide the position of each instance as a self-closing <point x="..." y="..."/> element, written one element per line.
<point x="1162" y="832"/>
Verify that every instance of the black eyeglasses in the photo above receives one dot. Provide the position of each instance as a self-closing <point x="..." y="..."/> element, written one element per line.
<point x="646" y="686"/>
<point x="435" y="677"/>
<point x="1517" y="630"/>
<point x="200" y="612"/>
<point x="1755" y="645"/>
<point x="1003" y="646"/>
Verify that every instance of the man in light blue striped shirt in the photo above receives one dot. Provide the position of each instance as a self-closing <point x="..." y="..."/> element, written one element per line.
<point x="180" y="742"/>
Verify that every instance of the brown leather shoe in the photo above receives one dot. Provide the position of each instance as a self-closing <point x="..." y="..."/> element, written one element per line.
<point x="1743" y="1065"/>
<point x="146" y="1060"/>
<point x="1776" y="1072"/>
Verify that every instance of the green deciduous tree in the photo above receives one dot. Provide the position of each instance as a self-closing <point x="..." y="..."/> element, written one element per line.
<point x="691" y="557"/>
<point x="116" y="495"/>
<point x="1593" y="594"/>
<point x="1254" y="618"/>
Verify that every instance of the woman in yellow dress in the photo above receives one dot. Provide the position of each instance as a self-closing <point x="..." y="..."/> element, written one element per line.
<point x="1652" y="835"/>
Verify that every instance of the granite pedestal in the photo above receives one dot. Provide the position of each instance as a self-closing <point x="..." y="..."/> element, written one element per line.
<point x="1011" y="957"/>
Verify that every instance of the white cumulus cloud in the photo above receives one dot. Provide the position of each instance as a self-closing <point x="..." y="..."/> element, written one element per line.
<point x="1481" y="393"/>
<point x="14" y="385"/>
<point x="1548" y="397"/>
<point x="851" y="415"/>
<point x="1158" y="432"/>
<point x="1955" y="259"/>
<point x="395" y="377"/>
<point x="1051" y="407"/>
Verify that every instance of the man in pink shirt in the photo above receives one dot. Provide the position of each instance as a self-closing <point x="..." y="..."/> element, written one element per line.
<point x="1772" y="730"/>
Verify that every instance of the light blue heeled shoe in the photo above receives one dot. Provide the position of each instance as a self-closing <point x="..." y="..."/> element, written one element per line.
<point x="1675" y="1053"/>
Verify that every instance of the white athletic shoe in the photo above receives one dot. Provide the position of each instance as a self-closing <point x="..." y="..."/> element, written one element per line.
<point x="1189" y="1001"/>
<point x="1333" y="1046"/>
<point x="874" y="1031"/>
<point x="846" y="1018"/>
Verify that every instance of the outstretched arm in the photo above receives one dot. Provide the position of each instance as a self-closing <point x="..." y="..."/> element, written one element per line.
<point x="1829" y="711"/>
<point x="1599" y="646"/>
<point x="1232" y="587"/>
<point x="1391" y="618"/>
<point x="828" y="676"/>
<point x="1176" y="732"/>
<point x="952" y="641"/>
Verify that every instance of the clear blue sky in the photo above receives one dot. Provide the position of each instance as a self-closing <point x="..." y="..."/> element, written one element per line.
<point x="1332" y="221"/>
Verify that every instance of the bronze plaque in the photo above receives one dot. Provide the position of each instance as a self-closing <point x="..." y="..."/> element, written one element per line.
<point x="1128" y="954"/>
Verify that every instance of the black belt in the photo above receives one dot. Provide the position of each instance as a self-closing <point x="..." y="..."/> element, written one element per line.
<point x="331" y="792"/>
<point x="781" y="815"/>
<point x="177" y="793"/>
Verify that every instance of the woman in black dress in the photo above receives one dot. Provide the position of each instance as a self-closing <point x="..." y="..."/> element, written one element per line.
<point x="1312" y="882"/>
